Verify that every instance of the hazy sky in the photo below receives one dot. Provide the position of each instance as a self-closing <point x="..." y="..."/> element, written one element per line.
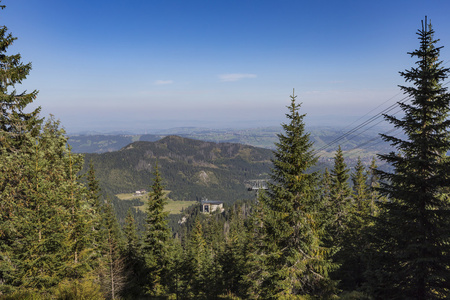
<point x="140" y="65"/>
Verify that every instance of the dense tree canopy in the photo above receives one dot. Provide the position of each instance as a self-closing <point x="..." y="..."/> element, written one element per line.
<point x="296" y="262"/>
<point x="413" y="233"/>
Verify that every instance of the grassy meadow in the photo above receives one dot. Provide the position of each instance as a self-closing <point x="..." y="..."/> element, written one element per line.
<point x="173" y="207"/>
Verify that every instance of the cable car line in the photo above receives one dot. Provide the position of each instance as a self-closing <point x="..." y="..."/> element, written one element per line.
<point x="370" y="120"/>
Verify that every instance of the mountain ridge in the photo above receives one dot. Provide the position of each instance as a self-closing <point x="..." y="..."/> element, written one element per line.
<point x="191" y="169"/>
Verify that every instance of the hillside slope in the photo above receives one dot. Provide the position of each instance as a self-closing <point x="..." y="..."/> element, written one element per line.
<point x="191" y="169"/>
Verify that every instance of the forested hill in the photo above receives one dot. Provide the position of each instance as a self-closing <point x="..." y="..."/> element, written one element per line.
<point x="191" y="169"/>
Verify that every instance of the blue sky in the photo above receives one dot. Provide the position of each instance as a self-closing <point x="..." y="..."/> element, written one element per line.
<point x="142" y="65"/>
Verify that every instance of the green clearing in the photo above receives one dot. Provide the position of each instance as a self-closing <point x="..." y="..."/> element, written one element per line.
<point x="173" y="207"/>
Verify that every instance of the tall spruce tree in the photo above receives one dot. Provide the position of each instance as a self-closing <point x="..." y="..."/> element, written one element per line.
<point x="340" y="197"/>
<point x="233" y="258"/>
<point x="45" y="241"/>
<point x="350" y="256"/>
<point x="93" y="193"/>
<point x="296" y="261"/>
<point x="14" y="120"/>
<point x="374" y="184"/>
<point x="93" y="185"/>
<point x="44" y="209"/>
<point x="131" y="249"/>
<point x="155" y="248"/>
<point x="360" y="188"/>
<point x="113" y="273"/>
<point x="412" y="245"/>
<point x="325" y="203"/>
<point x="197" y="264"/>
<point x="16" y="129"/>
<point x="39" y="218"/>
<point x="134" y="264"/>
<point x="255" y="267"/>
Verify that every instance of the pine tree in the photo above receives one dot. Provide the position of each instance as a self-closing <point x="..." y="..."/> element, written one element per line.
<point x="197" y="264"/>
<point x="97" y="209"/>
<point x="374" y="184"/>
<point x="325" y="203"/>
<point x="177" y="269"/>
<point x="131" y="237"/>
<point x="255" y="266"/>
<point x="39" y="216"/>
<point x="113" y="278"/>
<point x="412" y="241"/>
<point x="340" y="194"/>
<point x="213" y="228"/>
<point x="43" y="201"/>
<point x="360" y="188"/>
<point x="296" y="262"/>
<point x="17" y="127"/>
<point x="43" y="205"/>
<point x="353" y="241"/>
<point x="325" y="186"/>
<point x="233" y="258"/>
<point x="156" y="238"/>
<point x="14" y="120"/>
<point x="93" y="185"/>
<point x="133" y="261"/>
<point x="80" y="238"/>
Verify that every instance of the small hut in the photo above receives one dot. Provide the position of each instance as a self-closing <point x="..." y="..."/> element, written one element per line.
<point x="208" y="206"/>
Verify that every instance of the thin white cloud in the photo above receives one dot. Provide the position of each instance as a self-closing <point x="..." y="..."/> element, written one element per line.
<point x="235" y="77"/>
<point x="163" y="82"/>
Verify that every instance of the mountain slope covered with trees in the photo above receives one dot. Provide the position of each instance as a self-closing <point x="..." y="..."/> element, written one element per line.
<point x="191" y="169"/>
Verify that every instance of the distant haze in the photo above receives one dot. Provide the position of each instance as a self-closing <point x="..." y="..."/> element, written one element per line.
<point x="140" y="65"/>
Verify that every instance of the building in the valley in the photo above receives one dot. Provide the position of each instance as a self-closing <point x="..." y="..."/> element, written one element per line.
<point x="140" y="192"/>
<point x="208" y="206"/>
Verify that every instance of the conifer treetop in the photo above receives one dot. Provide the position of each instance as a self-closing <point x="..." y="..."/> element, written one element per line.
<point x="413" y="226"/>
<point x="14" y="121"/>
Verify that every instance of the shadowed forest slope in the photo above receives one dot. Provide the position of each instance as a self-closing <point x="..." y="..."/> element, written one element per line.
<point x="191" y="169"/>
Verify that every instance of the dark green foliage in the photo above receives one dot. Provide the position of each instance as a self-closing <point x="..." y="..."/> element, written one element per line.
<point x="17" y="128"/>
<point x="46" y="216"/>
<point x="340" y="200"/>
<point x="293" y="257"/>
<point x="192" y="169"/>
<point x="233" y="258"/>
<point x="411" y="255"/>
<point x="360" y="189"/>
<point x="374" y="184"/>
<point x="112" y="267"/>
<point x="353" y="241"/>
<point x="134" y="268"/>
<point x="256" y="268"/>
<point x="131" y="247"/>
<point x="209" y="253"/>
<point x="155" y="247"/>
<point x="95" y="199"/>
<point x="93" y="185"/>
<point x="83" y="217"/>
<point x="197" y="265"/>
<point x="15" y="122"/>
<point x="122" y="207"/>
<point x="85" y="288"/>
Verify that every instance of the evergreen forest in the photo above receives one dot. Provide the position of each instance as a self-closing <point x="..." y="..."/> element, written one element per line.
<point x="340" y="233"/>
